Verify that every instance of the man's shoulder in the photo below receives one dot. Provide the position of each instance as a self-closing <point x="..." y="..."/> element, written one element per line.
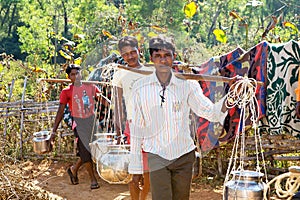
<point x="147" y="68"/>
<point x="68" y="88"/>
<point x="143" y="81"/>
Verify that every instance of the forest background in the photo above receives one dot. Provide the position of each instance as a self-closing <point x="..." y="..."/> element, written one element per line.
<point x="38" y="37"/>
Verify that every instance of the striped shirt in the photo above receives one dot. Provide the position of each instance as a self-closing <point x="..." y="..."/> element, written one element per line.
<point x="163" y="128"/>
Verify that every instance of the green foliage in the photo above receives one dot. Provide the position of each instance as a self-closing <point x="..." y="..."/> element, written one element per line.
<point x="39" y="29"/>
<point x="41" y="25"/>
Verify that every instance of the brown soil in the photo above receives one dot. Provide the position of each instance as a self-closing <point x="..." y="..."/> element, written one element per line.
<point x="56" y="180"/>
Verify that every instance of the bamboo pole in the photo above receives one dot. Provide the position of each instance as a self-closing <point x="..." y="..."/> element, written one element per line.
<point x="56" y="80"/>
<point x="188" y="76"/>
<point x="7" y="109"/>
<point x="198" y="77"/>
<point x="22" y="117"/>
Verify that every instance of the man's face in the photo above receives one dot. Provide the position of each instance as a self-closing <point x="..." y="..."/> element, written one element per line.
<point x="130" y="55"/>
<point x="163" y="60"/>
<point x="75" y="75"/>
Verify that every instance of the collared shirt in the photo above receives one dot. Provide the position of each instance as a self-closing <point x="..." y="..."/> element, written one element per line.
<point x="163" y="128"/>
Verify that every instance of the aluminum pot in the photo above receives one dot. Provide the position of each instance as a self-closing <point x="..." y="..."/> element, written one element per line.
<point x="113" y="165"/>
<point x="245" y="185"/>
<point x="100" y="145"/>
<point x="41" y="142"/>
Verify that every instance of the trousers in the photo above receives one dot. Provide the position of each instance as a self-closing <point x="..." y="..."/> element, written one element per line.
<point x="171" y="179"/>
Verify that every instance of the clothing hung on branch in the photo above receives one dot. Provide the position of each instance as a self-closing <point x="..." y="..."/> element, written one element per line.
<point x="209" y="133"/>
<point x="282" y="78"/>
<point x="277" y="66"/>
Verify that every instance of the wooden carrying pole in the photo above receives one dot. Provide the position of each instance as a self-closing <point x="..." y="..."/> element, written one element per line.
<point x="55" y="80"/>
<point x="198" y="77"/>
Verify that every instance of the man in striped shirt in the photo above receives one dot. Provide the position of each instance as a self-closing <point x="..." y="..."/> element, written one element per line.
<point x="160" y="124"/>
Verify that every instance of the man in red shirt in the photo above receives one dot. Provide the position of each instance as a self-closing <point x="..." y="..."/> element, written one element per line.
<point x="81" y="99"/>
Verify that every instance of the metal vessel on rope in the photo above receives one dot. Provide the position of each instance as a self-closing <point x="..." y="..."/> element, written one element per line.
<point x="113" y="165"/>
<point x="245" y="185"/>
<point x="242" y="184"/>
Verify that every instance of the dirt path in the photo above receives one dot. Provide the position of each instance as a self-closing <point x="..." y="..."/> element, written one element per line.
<point x="56" y="180"/>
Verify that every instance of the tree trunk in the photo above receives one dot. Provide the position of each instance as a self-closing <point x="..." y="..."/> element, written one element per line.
<point x="11" y="21"/>
<point x="6" y="15"/>
<point x="214" y="21"/>
<point x="65" y="18"/>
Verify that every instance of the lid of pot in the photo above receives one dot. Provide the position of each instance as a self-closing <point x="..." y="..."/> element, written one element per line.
<point x="41" y="134"/>
<point x="119" y="146"/>
<point x="105" y="134"/>
<point x="41" y="139"/>
<point x="248" y="174"/>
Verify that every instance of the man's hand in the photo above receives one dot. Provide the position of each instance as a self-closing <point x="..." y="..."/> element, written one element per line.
<point x="234" y="79"/>
<point x="298" y="109"/>
<point x="138" y="180"/>
<point x="52" y="138"/>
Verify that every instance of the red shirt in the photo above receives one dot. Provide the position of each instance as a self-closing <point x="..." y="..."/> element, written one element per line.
<point x="81" y="99"/>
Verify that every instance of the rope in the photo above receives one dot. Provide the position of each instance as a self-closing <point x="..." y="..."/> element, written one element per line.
<point x="286" y="185"/>
<point x="108" y="71"/>
<point x="242" y="95"/>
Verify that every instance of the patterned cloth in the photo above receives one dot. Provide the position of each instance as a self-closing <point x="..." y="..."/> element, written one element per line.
<point x="277" y="66"/>
<point x="282" y="78"/>
<point x="253" y="65"/>
<point x="209" y="133"/>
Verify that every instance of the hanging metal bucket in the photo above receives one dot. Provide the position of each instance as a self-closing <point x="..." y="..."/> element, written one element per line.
<point x="244" y="186"/>
<point x="113" y="165"/>
<point x="41" y="142"/>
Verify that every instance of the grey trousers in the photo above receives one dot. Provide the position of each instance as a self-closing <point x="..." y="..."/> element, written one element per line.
<point x="171" y="179"/>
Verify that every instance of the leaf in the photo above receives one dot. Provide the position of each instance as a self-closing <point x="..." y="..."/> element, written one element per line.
<point x="38" y="69"/>
<point x="152" y="34"/>
<point x="121" y="19"/>
<point x="106" y="33"/>
<point x="190" y="9"/>
<point x="132" y="26"/>
<point x="158" y="28"/>
<point x="235" y="15"/>
<point x="84" y="73"/>
<point x="220" y="35"/>
<point x="65" y="55"/>
<point x="124" y="32"/>
<point x="78" y="61"/>
<point x="292" y="26"/>
<point x="139" y="37"/>
<point x="79" y="36"/>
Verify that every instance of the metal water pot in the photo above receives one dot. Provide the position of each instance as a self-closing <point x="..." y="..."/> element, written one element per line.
<point x="113" y="165"/>
<point x="41" y="142"/>
<point x="245" y="185"/>
<point x="100" y="145"/>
